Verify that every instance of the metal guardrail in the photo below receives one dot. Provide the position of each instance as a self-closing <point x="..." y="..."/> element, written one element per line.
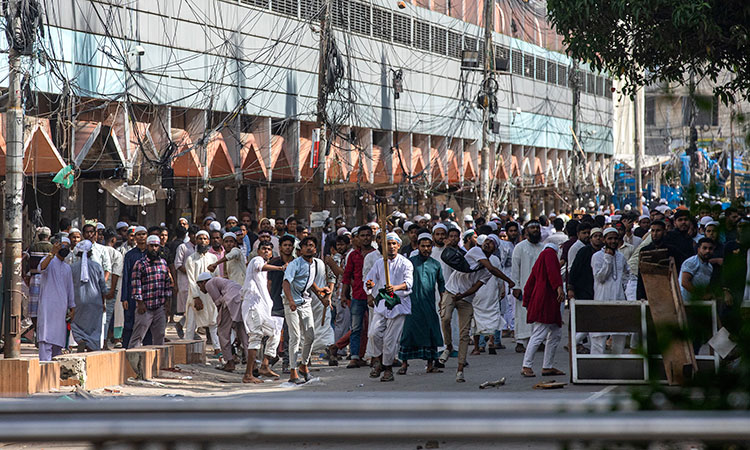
<point x="320" y="418"/>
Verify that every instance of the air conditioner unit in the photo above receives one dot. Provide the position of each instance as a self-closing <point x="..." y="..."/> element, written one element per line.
<point x="469" y="58"/>
<point x="501" y="64"/>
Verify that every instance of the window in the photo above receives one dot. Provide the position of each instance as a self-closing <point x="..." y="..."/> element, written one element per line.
<point x="340" y="13"/>
<point x="313" y="9"/>
<point x="562" y="75"/>
<point x="381" y="23"/>
<point x="517" y="62"/>
<point x="551" y="72"/>
<point x="402" y="29"/>
<point x="470" y="43"/>
<point x="528" y="66"/>
<point x="257" y="3"/>
<point x="581" y="80"/>
<point x="650" y="107"/>
<point x="608" y="88"/>
<point x="502" y="53"/>
<point x="454" y="44"/>
<point x="591" y="83"/>
<point x="706" y="111"/>
<point x="541" y="65"/>
<point x="481" y="50"/>
<point x="360" y="18"/>
<point x="439" y="37"/>
<point x="286" y="7"/>
<point x="600" y="86"/>
<point x="422" y="35"/>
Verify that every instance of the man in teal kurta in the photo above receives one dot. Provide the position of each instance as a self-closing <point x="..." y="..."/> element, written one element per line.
<point x="421" y="336"/>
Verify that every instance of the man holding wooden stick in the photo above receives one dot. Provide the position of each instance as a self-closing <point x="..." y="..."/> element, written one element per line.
<point x="392" y="277"/>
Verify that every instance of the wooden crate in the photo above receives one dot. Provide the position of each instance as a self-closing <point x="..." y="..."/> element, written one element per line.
<point x="189" y="351"/>
<point x="141" y="363"/>
<point x="94" y="370"/>
<point x="165" y="355"/>
<point x="22" y="377"/>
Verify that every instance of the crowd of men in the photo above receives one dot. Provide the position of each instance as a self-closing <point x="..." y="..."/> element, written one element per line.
<point x="268" y="291"/>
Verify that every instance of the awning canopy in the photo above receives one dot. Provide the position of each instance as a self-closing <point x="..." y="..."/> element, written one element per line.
<point x="253" y="167"/>
<point x="97" y="146"/>
<point x="220" y="164"/>
<point x="40" y="154"/>
<point x="188" y="163"/>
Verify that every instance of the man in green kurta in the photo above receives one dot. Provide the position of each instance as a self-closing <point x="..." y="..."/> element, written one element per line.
<point x="421" y="336"/>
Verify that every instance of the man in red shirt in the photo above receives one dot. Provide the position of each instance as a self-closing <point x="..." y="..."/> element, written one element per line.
<point x="354" y="295"/>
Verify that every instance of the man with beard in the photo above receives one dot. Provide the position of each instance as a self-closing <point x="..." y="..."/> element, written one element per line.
<point x="459" y="293"/>
<point x="388" y="323"/>
<point x="524" y="256"/>
<point x="128" y="242"/>
<point x="581" y="276"/>
<point x="583" y="232"/>
<point x="128" y="303"/>
<point x="679" y="238"/>
<point x="513" y="232"/>
<point x="454" y="237"/>
<point x="99" y="252"/>
<point x="184" y="250"/>
<point x="200" y="308"/>
<point x="505" y="254"/>
<point x="469" y="240"/>
<point x="217" y="249"/>
<point x="657" y="234"/>
<point x="232" y="263"/>
<point x="611" y="273"/>
<point x="151" y="289"/>
<point x="353" y="294"/>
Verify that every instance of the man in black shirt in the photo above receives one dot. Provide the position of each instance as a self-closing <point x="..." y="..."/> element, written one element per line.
<point x="658" y="241"/>
<point x="679" y="238"/>
<point x="581" y="276"/>
<point x="275" y="282"/>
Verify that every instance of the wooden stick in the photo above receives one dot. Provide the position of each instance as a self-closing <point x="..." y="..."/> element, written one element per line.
<point x="381" y="208"/>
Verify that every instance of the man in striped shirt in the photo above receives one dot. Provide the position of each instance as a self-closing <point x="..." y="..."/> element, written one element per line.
<point x="151" y="288"/>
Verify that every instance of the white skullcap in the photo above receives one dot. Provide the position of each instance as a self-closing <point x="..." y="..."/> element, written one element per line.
<point x="552" y="215"/>
<point x="595" y="230"/>
<point x="229" y="234"/>
<point x="643" y="217"/>
<point x="495" y="217"/>
<point x="424" y="236"/>
<point x="65" y="240"/>
<point x="467" y="233"/>
<point x="373" y="225"/>
<point x="232" y="218"/>
<point x="393" y="237"/>
<point x="493" y="225"/>
<point x="74" y="230"/>
<point x="438" y="226"/>
<point x="494" y="239"/>
<point x="153" y="240"/>
<point x="662" y="209"/>
<point x="162" y="224"/>
<point x="609" y="230"/>
<point x="341" y="231"/>
<point x="407" y="225"/>
<point x="208" y="219"/>
<point x="214" y="226"/>
<point x="355" y="230"/>
<point x="182" y="219"/>
<point x="203" y="276"/>
<point x="468" y="218"/>
<point x="140" y="229"/>
<point x="427" y="217"/>
<point x="713" y="222"/>
<point x="418" y="218"/>
<point x="100" y="226"/>
<point x="481" y="238"/>
<point x="663" y="201"/>
<point x="121" y="225"/>
<point x="628" y="207"/>
<point x="202" y="233"/>
<point x="706" y="220"/>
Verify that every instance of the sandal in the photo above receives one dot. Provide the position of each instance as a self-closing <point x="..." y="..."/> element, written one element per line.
<point x="402" y="370"/>
<point x="475" y="352"/>
<point x="552" y="372"/>
<point x="434" y="369"/>
<point x="387" y="376"/>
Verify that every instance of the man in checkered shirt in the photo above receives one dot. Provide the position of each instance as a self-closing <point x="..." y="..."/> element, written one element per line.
<point x="151" y="288"/>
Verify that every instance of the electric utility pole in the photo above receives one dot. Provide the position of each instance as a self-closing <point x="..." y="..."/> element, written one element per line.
<point x="693" y="142"/>
<point x="319" y="202"/>
<point x="484" y="170"/>
<point x="13" y="187"/>
<point x="637" y="147"/>
<point x="574" y="82"/>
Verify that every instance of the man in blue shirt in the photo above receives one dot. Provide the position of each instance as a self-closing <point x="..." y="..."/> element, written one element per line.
<point x="301" y="279"/>
<point x="695" y="273"/>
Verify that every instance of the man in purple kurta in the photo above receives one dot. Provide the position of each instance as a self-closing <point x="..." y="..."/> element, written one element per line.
<point x="56" y="296"/>
<point x="226" y="296"/>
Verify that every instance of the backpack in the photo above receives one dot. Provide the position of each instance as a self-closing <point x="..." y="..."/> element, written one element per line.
<point x="454" y="257"/>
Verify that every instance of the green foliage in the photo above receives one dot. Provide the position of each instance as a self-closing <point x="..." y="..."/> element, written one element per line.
<point x="653" y="41"/>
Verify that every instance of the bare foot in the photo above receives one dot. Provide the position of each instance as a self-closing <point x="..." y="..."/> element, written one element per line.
<point x="268" y="373"/>
<point x="251" y="379"/>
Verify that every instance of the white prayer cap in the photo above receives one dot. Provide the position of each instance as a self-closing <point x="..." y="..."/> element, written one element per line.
<point x="43" y="231"/>
<point x="418" y="218"/>
<point x="706" y="220"/>
<point x="552" y="215"/>
<point x="407" y="225"/>
<point x="393" y="237"/>
<point x="424" y="236"/>
<point x="628" y="207"/>
<point x="616" y="217"/>
<point x="608" y="231"/>
<point x="208" y="219"/>
<point x="373" y="225"/>
<point x="162" y="224"/>
<point x="153" y="240"/>
<point x="203" y="276"/>
<point x="214" y="226"/>
<point x="427" y="217"/>
<point x="121" y="225"/>
<point x="663" y="201"/>
<point x="467" y="233"/>
<point x="662" y="209"/>
<point x="553" y="246"/>
<point x="229" y="234"/>
<point x="643" y="217"/>
<point x="272" y="222"/>
<point x="355" y="230"/>
<point x="202" y="233"/>
<point x="496" y="217"/>
<point x="74" y="230"/>
<point x="65" y="240"/>
<point x="232" y="218"/>
<point x="439" y="226"/>
<point x="84" y="246"/>
<point x="140" y="229"/>
<point x="595" y="230"/>
<point x="341" y="231"/>
<point x="503" y="213"/>
<point x="481" y="238"/>
<point x="492" y="224"/>
<point x="468" y="218"/>
<point x="182" y="219"/>
<point x="712" y="223"/>
<point x="494" y="239"/>
<point x="100" y="226"/>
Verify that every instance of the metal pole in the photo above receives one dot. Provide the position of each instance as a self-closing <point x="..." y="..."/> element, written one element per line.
<point x="731" y="154"/>
<point x="13" y="197"/>
<point x="574" y="167"/>
<point x="484" y="172"/>
<point x="637" y="148"/>
<point x="692" y="146"/>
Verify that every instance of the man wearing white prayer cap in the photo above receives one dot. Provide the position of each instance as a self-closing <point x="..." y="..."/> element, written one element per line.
<point x="56" y="300"/>
<point x="151" y="289"/>
<point x="611" y="273"/>
<point x="200" y="310"/>
<point x="231" y="222"/>
<point x="233" y="263"/>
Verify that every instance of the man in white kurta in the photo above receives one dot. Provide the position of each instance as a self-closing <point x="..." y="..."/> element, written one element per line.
<point x="524" y="256"/>
<point x="387" y="324"/>
<point x="200" y="310"/>
<point x="56" y="297"/>
<point x="232" y="262"/>
<point x="184" y="250"/>
<point x="611" y="274"/>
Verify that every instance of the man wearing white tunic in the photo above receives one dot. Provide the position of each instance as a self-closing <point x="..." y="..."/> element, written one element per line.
<point x="611" y="274"/>
<point x="256" y="313"/>
<point x="89" y="288"/>
<point x="524" y="256"/>
<point x="200" y="310"/>
<point x="387" y="323"/>
<point x="226" y="295"/>
<point x="115" y="313"/>
<point x="232" y="262"/>
<point x="56" y="298"/>
<point x="184" y="250"/>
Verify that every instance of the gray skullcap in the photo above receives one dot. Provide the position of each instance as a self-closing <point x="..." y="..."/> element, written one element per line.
<point x="229" y="234"/>
<point x="440" y="225"/>
<point x="494" y="239"/>
<point x="140" y="229"/>
<point x="204" y="276"/>
<point x="424" y="236"/>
